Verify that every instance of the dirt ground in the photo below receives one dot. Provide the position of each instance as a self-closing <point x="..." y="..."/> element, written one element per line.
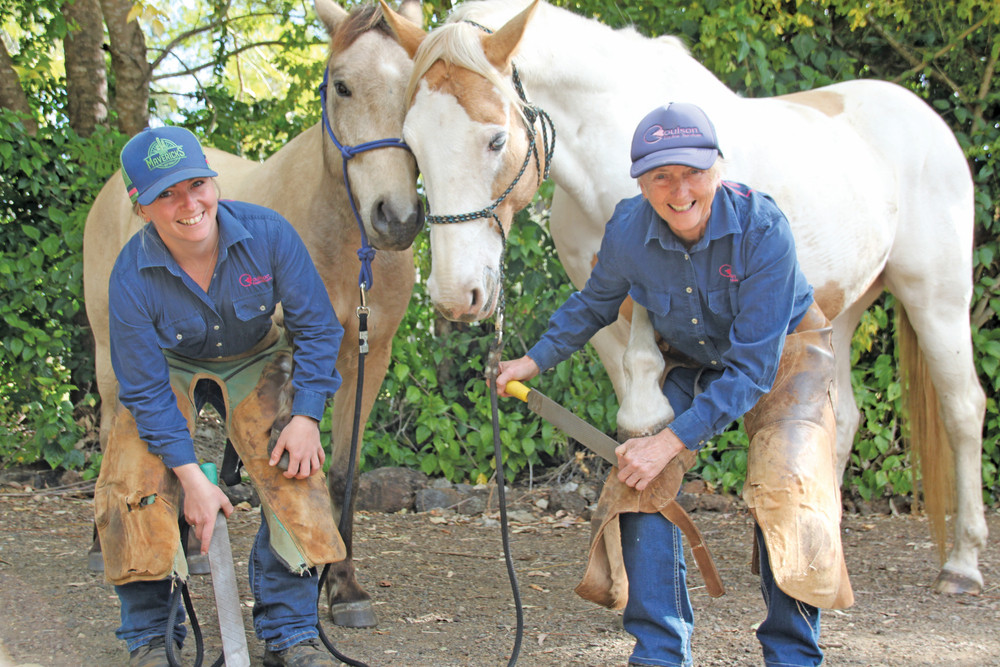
<point x="442" y="595"/>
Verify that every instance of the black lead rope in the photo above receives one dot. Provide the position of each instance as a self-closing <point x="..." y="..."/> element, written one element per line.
<point x="345" y="515"/>
<point x="492" y="370"/>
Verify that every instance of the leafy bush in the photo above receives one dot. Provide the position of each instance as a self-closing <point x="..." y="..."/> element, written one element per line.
<point x="46" y="366"/>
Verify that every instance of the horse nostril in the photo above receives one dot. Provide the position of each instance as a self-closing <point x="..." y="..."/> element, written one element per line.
<point x="380" y="218"/>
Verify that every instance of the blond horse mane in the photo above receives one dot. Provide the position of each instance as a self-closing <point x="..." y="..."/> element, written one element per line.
<point x="459" y="43"/>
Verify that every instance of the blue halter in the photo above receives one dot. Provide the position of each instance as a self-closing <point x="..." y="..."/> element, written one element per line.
<point x="366" y="253"/>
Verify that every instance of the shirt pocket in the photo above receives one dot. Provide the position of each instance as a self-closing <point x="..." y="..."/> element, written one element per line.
<point x="182" y="332"/>
<point x="258" y="304"/>
<point x="722" y="306"/>
<point x="657" y="302"/>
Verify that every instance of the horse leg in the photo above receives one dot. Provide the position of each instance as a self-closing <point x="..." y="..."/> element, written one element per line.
<point x="577" y="237"/>
<point x="846" y="408"/>
<point x="955" y="418"/>
<point x="350" y="605"/>
<point x="644" y="409"/>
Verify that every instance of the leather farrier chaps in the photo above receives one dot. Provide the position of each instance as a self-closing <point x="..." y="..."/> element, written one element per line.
<point x="791" y="487"/>
<point x="137" y="499"/>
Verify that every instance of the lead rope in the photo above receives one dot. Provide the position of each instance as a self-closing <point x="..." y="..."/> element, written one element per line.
<point x="491" y="372"/>
<point x="366" y="254"/>
<point x="362" y="312"/>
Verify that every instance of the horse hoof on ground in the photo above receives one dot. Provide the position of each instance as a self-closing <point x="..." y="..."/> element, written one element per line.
<point x="949" y="582"/>
<point x="356" y="614"/>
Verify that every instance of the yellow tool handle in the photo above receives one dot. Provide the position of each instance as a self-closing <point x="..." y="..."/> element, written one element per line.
<point x="518" y="390"/>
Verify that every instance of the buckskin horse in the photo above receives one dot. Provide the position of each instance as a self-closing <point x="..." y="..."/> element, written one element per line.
<point x="876" y="188"/>
<point x="367" y="71"/>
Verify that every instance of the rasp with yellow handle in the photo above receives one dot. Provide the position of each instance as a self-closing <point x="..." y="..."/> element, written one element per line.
<point x="578" y="429"/>
<point x="604" y="446"/>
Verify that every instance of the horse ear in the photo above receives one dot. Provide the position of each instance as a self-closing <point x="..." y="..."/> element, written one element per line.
<point x="407" y="32"/>
<point x="501" y="45"/>
<point x="412" y="10"/>
<point x="331" y="14"/>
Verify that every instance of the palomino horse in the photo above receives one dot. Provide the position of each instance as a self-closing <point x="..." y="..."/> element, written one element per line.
<point x="876" y="188"/>
<point x="304" y="181"/>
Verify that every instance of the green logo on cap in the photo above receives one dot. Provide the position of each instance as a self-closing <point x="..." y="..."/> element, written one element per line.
<point x="163" y="154"/>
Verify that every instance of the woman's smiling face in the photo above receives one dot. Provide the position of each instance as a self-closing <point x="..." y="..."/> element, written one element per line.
<point x="682" y="196"/>
<point x="185" y="212"/>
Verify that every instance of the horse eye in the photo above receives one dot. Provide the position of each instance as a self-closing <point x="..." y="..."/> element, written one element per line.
<point x="498" y="141"/>
<point x="342" y="89"/>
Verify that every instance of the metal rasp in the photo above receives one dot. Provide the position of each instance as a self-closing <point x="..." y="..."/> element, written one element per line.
<point x="604" y="446"/>
<point x="227" y="599"/>
<point x="596" y="441"/>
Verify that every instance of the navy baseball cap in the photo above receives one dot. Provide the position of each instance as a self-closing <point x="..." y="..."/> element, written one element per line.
<point x="157" y="158"/>
<point x="678" y="133"/>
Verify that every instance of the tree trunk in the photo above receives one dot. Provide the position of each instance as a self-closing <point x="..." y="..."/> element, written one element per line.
<point x="131" y="69"/>
<point x="11" y="93"/>
<point x="86" y="73"/>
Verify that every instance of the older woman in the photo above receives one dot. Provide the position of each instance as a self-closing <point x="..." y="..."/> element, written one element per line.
<point x="714" y="264"/>
<point x="191" y="300"/>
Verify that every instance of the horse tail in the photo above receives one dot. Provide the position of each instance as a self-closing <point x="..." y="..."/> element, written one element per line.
<point x="928" y="440"/>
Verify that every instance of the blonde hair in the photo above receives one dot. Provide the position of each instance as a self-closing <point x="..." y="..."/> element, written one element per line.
<point x="459" y="43"/>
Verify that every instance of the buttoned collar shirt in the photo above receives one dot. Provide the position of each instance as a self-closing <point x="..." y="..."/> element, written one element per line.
<point x="726" y="302"/>
<point x="154" y="306"/>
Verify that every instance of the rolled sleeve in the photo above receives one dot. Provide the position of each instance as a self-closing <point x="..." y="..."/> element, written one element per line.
<point x="144" y="378"/>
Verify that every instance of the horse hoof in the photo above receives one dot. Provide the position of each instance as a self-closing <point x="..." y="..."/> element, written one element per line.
<point x="358" y="614"/>
<point x="953" y="583"/>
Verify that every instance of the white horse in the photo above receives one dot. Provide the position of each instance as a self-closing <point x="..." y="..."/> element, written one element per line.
<point x="877" y="190"/>
<point x="304" y="181"/>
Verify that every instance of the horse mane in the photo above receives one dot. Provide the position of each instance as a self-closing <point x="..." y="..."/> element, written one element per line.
<point x="459" y="43"/>
<point x="362" y="20"/>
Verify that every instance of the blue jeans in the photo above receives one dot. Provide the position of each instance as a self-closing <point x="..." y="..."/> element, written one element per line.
<point x="284" y="610"/>
<point x="659" y="614"/>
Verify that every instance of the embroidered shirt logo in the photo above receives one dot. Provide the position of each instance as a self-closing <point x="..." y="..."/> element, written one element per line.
<point x="726" y="270"/>
<point x="247" y="280"/>
<point x="163" y="154"/>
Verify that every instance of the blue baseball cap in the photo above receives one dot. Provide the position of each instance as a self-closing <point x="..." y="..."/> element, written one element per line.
<point x="159" y="157"/>
<point x="678" y="133"/>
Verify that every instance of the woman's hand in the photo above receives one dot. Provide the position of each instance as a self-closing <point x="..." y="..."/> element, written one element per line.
<point x="524" y="368"/>
<point x="300" y="438"/>
<point x="202" y="502"/>
<point x="640" y="460"/>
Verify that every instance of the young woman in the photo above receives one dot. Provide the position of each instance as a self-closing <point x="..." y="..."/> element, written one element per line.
<point x="191" y="300"/>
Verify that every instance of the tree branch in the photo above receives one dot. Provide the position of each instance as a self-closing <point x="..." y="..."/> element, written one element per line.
<point x="984" y="90"/>
<point x="192" y="70"/>
<point x="918" y="64"/>
<point x="211" y="25"/>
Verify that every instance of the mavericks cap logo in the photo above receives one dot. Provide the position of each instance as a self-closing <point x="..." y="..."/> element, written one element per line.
<point x="164" y="154"/>
<point x="158" y="158"/>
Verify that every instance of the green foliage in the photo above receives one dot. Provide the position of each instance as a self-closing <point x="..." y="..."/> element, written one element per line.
<point x="433" y="411"/>
<point x="47" y="184"/>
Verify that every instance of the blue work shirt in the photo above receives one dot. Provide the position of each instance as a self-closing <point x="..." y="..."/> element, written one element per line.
<point x="727" y="302"/>
<point x="154" y="305"/>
